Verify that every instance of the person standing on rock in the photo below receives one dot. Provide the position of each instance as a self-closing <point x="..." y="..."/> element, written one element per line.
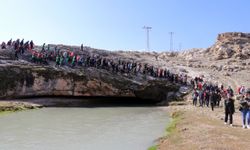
<point x="73" y="61"/>
<point x="82" y="47"/>
<point x="65" y="55"/>
<point x="16" y="55"/>
<point x="61" y="61"/>
<point x="48" y="48"/>
<point x="9" y="43"/>
<point x="31" y="44"/>
<point x="43" y="48"/>
<point x="57" y="60"/>
<point x="229" y="109"/>
<point x="3" y="46"/>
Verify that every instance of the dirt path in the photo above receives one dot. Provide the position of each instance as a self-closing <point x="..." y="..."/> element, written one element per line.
<point x="200" y="128"/>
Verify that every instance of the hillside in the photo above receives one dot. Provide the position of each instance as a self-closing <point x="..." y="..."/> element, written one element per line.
<point x="227" y="61"/>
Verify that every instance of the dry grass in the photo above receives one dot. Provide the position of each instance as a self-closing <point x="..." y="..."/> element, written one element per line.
<point x="203" y="129"/>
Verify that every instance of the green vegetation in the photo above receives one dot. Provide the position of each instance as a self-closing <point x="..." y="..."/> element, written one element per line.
<point x="10" y="107"/>
<point x="153" y="147"/>
<point x="171" y="127"/>
<point x="5" y="112"/>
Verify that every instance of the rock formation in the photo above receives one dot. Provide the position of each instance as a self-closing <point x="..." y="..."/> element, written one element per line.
<point x="25" y="80"/>
<point x="231" y="44"/>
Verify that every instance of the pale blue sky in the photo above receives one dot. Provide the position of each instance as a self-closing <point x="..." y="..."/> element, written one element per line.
<point x="117" y="24"/>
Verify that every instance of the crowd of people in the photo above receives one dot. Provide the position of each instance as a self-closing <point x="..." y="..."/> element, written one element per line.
<point x="71" y="58"/>
<point x="205" y="94"/>
<point x="19" y="46"/>
<point x="210" y="95"/>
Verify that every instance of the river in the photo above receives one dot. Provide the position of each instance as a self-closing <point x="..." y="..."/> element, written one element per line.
<point x="100" y="128"/>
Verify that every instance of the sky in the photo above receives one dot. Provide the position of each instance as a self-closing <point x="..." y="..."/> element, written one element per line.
<point x="117" y="24"/>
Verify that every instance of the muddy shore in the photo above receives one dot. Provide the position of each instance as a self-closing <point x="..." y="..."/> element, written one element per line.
<point x="14" y="105"/>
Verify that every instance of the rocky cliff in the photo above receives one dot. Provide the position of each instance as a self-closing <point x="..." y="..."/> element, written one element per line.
<point x="232" y="44"/>
<point x="27" y="80"/>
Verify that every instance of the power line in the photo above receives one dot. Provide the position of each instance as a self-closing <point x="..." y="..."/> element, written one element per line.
<point x="147" y="29"/>
<point x="171" y="41"/>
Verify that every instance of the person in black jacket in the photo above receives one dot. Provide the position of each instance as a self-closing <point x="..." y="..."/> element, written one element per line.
<point x="229" y="109"/>
<point x="213" y="99"/>
<point x="31" y="44"/>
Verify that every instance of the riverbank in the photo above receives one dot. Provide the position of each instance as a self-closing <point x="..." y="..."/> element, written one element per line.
<point x="87" y="102"/>
<point x="13" y="106"/>
<point x="200" y="128"/>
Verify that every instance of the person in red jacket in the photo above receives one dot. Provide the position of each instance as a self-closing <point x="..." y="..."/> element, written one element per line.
<point x="200" y="86"/>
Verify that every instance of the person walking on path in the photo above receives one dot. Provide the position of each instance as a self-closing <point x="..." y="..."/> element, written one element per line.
<point x="212" y="99"/>
<point x="195" y="97"/>
<point x="245" y="110"/>
<point x="229" y="109"/>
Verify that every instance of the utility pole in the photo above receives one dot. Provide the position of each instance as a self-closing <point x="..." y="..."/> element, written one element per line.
<point x="147" y="32"/>
<point x="171" y="41"/>
<point x="180" y="46"/>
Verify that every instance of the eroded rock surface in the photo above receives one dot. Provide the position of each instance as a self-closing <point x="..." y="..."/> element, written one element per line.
<point x="29" y="81"/>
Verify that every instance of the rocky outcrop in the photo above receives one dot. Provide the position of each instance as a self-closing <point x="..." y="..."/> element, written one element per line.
<point x="31" y="81"/>
<point x="231" y="44"/>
